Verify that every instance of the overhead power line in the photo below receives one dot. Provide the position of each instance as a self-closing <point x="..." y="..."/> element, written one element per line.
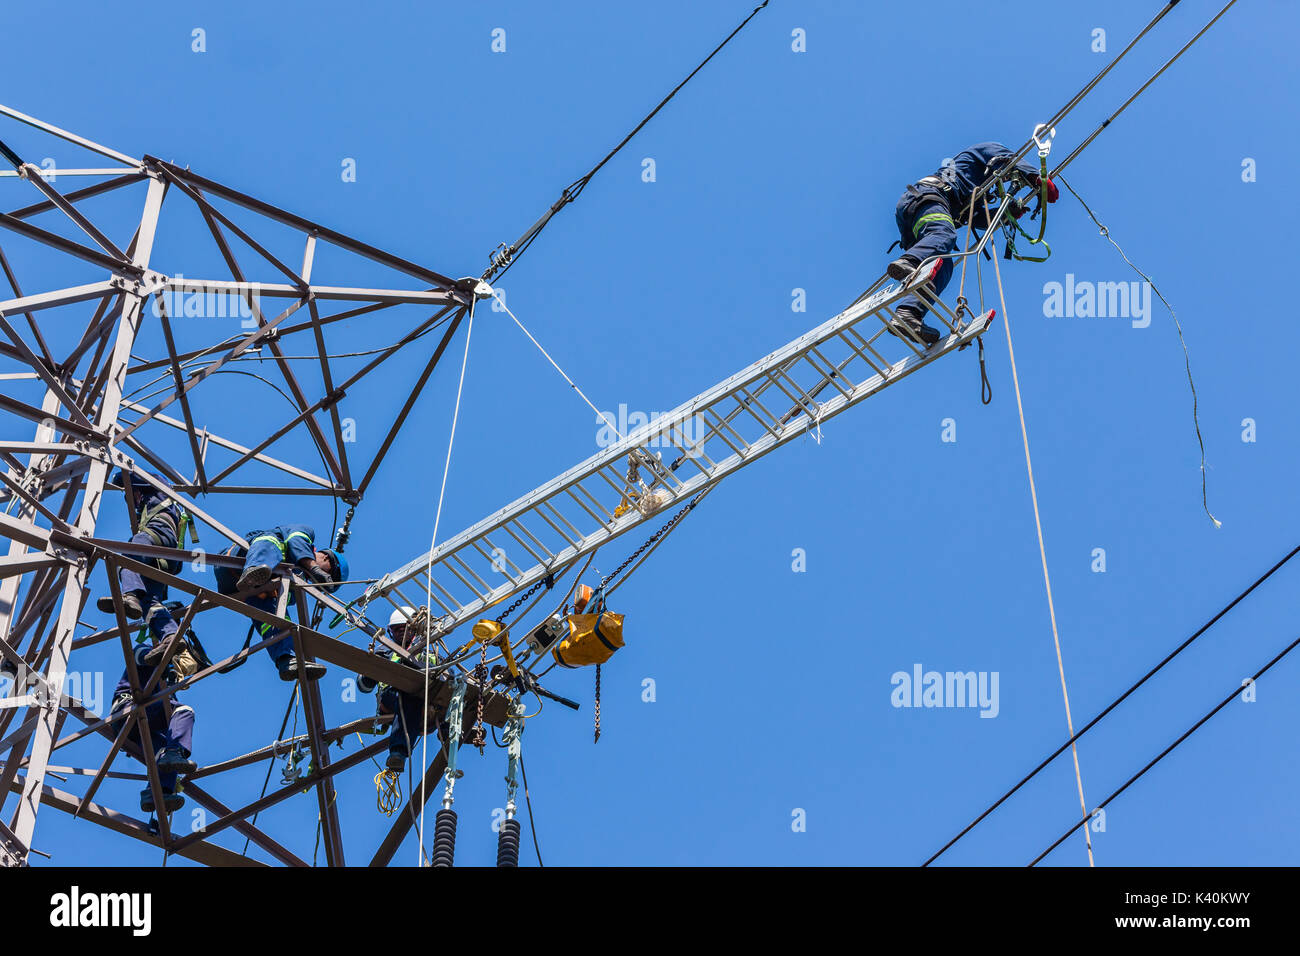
<point x="1115" y="703"/>
<point x="506" y="256"/>
<point x="1168" y="750"/>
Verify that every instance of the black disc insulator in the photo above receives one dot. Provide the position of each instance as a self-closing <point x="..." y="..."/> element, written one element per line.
<point x="508" y="844"/>
<point x="444" y="838"/>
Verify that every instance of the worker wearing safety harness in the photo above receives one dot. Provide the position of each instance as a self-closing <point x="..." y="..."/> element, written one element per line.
<point x="161" y="522"/>
<point x="405" y="708"/>
<point x="171" y="735"/>
<point x="284" y="544"/>
<point x="928" y="216"/>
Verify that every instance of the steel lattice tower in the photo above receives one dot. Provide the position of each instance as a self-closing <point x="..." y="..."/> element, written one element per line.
<point x="76" y="350"/>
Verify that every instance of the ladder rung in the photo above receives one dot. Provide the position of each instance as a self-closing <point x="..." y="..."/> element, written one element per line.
<point x="833" y="374"/>
<point x="609" y="515"/>
<point x="492" y="562"/>
<point x="531" y="537"/>
<point x="551" y="508"/>
<point x="755" y="403"/>
<point x="450" y="567"/>
<point x="858" y="352"/>
<point x="715" y="429"/>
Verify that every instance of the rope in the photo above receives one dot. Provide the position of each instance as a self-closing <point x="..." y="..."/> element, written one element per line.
<point x="1164" y="753"/>
<point x="1042" y="551"/>
<point x="1187" y="361"/>
<point x="573" y="385"/>
<point x="388" y="792"/>
<point x="986" y="387"/>
<point x="437" y="518"/>
<point x="1116" y="702"/>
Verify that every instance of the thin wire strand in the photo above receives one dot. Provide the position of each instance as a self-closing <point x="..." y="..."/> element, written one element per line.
<point x="529" y="801"/>
<point x="602" y="415"/>
<point x="1187" y="359"/>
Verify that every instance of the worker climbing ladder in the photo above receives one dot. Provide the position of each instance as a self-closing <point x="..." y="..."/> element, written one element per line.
<point x="778" y="398"/>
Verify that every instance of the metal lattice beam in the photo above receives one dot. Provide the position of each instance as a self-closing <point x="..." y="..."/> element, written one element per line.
<point x="117" y="330"/>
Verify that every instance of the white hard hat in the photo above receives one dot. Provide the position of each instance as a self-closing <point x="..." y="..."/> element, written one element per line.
<point x="401" y="616"/>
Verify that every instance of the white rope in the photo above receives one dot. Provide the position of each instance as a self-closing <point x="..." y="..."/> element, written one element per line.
<point x="572" y="384"/>
<point x="1042" y="553"/>
<point x="814" y="426"/>
<point x="428" y="587"/>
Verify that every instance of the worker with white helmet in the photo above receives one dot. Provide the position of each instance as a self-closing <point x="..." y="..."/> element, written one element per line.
<point x="405" y="708"/>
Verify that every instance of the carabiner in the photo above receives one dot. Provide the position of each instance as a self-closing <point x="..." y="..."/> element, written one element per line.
<point x="1044" y="148"/>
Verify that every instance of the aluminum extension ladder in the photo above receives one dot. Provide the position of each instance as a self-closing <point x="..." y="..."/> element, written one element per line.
<point x="715" y="434"/>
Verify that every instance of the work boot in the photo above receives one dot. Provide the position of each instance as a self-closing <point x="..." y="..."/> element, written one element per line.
<point x="396" y="761"/>
<point x="173" y="760"/>
<point x="171" y="801"/>
<point x="155" y="653"/>
<point x="130" y="604"/>
<point x="908" y="324"/>
<point x="289" y="666"/>
<point x="902" y="267"/>
<point x="254" y="578"/>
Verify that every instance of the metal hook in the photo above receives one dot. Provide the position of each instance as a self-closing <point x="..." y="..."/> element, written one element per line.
<point x="1044" y="148"/>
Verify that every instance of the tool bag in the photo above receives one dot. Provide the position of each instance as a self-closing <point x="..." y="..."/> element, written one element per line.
<point x="185" y="662"/>
<point x="593" y="637"/>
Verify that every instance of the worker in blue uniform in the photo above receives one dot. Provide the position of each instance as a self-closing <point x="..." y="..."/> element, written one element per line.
<point x="284" y="544"/>
<point x="171" y="736"/>
<point x="928" y="215"/>
<point x="160" y="521"/>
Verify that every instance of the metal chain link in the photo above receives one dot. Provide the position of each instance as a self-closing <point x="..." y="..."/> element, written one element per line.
<point x="547" y="581"/>
<point x="478" y="736"/>
<point x="962" y="305"/>
<point x="651" y="540"/>
<point x="597" y="706"/>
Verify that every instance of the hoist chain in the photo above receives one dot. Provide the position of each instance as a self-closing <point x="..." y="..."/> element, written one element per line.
<point x="478" y="736"/>
<point x="548" y="582"/>
<point x="651" y="540"/>
<point x="597" y="705"/>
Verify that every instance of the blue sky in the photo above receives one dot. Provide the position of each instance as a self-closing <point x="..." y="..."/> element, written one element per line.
<point x="778" y="170"/>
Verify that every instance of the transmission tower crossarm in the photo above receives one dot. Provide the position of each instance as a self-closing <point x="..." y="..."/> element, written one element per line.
<point x="736" y="422"/>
